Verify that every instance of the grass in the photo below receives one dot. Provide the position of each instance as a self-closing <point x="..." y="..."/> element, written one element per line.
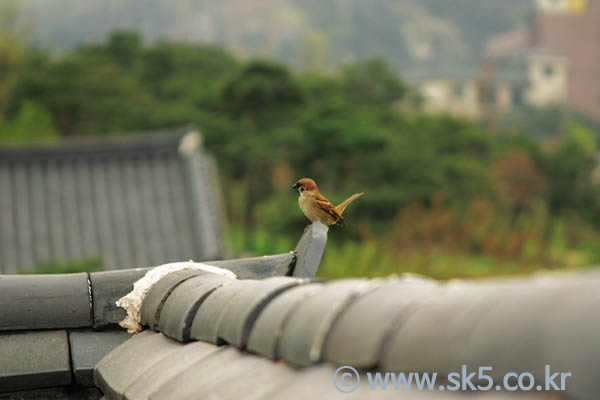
<point x="365" y="260"/>
<point x="388" y="255"/>
<point x="52" y="267"/>
<point x="375" y="258"/>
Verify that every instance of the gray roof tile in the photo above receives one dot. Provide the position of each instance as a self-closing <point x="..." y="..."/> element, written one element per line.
<point x="201" y="169"/>
<point x="169" y="367"/>
<point x="265" y="334"/>
<point x="360" y="332"/>
<point x="156" y="297"/>
<point x="204" y="371"/>
<point x="551" y="322"/>
<point x="107" y="288"/>
<point x="129" y="361"/>
<point x="418" y="342"/>
<point x="305" y="331"/>
<point x="34" y="360"/>
<point x="258" y="267"/>
<point x="435" y="333"/>
<point x="243" y="309"/>
<point x="180" y="307"/>
<point x="245" y="376"/>
<point x="206" y="322"/>
<point x="8" y="243"/>
<point x="581" y="325"/>
<point x="88" y="347"/>
<point x="44" y="301"/>
<point x="316" y="382"/>
<point x="310" y="249"/>
<point x="56" y="393"/>
<point x="20" y="192"/>
<point x="513" y="325"/>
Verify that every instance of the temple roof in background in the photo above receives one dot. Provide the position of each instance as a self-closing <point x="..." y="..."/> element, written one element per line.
<point x="138" y="200"/>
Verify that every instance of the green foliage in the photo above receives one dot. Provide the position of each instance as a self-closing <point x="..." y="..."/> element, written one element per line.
<point x="262" y="92"/>
<point x="85" y="93"/>
<point x="181" y="71"/>
<point x="372" y="82"/>
<point x="580" y="136"/>
<point x="545" y="122"/>
<point x="31" y="123"/>
<point x="53" y="267"/>
<point x="124" y="49"/>
<point x="122" y="85"/>
<point x="13" y="52"/>
<point x="569" y="169"/>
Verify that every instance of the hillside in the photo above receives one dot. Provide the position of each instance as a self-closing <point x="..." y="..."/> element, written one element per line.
<point x="416" y="36"/>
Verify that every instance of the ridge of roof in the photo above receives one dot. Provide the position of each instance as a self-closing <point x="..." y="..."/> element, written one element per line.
<point x="110" y="145"/>
<point x="390" y="325"/>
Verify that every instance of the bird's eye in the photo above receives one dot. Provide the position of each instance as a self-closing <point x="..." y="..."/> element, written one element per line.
<point x="301" y="189"/>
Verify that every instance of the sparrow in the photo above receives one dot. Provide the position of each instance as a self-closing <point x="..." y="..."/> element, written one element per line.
<point x="316" y="207"/>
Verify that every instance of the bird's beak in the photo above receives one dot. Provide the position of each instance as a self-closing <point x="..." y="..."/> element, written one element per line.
<point x="295" y="185"/>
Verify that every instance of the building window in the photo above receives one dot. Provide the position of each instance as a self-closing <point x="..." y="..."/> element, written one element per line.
<point x="517" y="96"/>
<point x="548" y="70"/>
<point x="459" y="89"/>
<point x="488" y="94"/>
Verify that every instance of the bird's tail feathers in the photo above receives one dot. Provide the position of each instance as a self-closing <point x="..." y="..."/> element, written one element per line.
<point x="342" y="206"/>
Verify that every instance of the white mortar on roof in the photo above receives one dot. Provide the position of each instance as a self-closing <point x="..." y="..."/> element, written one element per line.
<point x="132" y="302"/>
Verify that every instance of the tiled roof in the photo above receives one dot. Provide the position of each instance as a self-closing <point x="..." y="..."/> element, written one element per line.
<point x="391" y="325"/>
<point x="134" y="201"/>
<point x="55" y="328"/>
<point x="269" y="336"/>
<point x="201" y="370"/>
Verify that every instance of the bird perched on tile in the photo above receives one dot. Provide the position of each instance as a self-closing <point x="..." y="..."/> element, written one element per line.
<point x="316" y="207"/>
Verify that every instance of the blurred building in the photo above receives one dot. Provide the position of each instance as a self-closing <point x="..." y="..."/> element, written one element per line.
<point x="554" y="61"/>
<point x="457" y="95"/>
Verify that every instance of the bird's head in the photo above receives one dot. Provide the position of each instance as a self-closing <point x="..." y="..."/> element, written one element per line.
<point x="305" y="185"/>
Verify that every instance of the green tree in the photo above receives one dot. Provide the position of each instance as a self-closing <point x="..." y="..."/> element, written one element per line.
<point x="569" y="170"/>
<point x="125" y="48"/>
<point x="86" y="94"/>
<point x="263" y="92"/>
<point x="520" y="182"/>
<point x="371" y="82"/>
<point x="261" y="102"/>
<point x="335" y="138"/>
<point x="175" y="71"/>
<point x="13" y="52"/>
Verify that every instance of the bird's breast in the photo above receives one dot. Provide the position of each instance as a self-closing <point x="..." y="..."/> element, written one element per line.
<point x="313" y="212"/>
<point x="307" y="207"/>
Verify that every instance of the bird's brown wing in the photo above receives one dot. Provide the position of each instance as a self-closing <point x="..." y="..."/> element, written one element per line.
<point x="328" y="207"/>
